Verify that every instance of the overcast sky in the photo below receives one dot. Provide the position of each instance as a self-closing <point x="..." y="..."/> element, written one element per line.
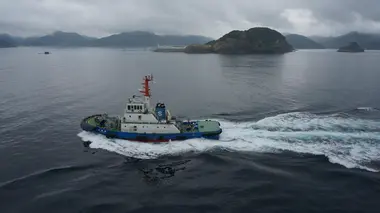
<point x="202" y="17"/>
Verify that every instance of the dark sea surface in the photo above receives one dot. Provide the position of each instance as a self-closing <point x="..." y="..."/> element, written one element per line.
<point x="301" y="132"/>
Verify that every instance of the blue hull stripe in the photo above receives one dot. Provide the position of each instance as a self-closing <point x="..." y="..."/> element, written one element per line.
<point x="156" y="137"/>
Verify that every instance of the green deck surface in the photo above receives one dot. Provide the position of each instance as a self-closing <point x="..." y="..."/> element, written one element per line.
<point x="92" y="122"/>
<point x="208" y="126"/>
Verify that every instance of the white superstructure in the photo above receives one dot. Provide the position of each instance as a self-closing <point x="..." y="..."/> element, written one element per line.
<point x="139" y="117"/>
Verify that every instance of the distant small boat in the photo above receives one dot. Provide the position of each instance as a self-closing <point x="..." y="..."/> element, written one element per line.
<point x="45" y="53"/>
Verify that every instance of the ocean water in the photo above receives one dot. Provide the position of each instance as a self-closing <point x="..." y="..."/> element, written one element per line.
<point x="301" y="132"/>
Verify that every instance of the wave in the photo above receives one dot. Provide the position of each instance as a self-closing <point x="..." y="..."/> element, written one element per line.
<point x="369" y="109"/>
<point x="351" y="142"/>
<point x="18" y="182"/>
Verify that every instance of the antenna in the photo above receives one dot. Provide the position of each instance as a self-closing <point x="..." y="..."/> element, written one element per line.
<point x="153" y="81"/>
<point x="146" y="89"/>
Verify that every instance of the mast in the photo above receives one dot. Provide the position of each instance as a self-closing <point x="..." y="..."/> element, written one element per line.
<point x="146" y="89"/>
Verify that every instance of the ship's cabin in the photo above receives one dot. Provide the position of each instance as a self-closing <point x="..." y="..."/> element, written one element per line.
<point x="136" y="108"/>
<point x="136" y="105"/>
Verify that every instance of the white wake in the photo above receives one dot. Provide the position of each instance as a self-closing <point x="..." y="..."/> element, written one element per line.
<point x="353" y="143"/>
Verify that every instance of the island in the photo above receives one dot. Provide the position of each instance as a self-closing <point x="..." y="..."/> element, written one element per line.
<point x="353" y="47"/>
<point x="258" y="40"/>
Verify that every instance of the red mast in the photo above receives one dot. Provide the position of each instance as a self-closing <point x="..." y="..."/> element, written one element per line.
<point x="146" y="89"/>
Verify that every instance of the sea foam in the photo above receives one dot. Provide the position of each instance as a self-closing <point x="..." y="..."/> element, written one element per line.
<point x="353" y="143"/>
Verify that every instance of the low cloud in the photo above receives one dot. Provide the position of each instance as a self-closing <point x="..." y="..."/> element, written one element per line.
<point x="210" y="18"/>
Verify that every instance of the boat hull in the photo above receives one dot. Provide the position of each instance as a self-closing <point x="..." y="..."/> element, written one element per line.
<point x="146" y="137"/>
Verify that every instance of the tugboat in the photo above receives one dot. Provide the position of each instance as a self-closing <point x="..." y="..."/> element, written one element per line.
<point x="143" y="123"/>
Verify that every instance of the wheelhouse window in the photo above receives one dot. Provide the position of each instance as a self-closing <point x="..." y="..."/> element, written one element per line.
<point x="135" y="107"/>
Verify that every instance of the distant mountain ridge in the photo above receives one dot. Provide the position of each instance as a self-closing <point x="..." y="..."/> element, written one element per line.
<point x="147" y="39"/>
<point x="125" y="39"/>
<point x="369" y="41"/>
<point x="302" y="42"/>
<point x="58" y="38"/>
<point x="7" y="41"/>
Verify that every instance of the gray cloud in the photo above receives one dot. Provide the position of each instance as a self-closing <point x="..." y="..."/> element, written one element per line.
<point x="205" y="17"/>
